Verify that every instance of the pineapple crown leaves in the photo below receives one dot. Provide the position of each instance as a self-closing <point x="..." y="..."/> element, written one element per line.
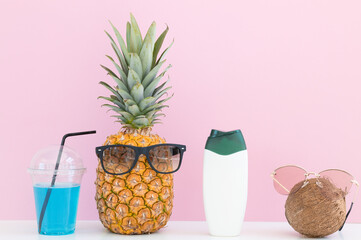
<point x="138" y="96"/>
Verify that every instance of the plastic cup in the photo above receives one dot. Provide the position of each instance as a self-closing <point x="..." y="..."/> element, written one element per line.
<point x="59" y="213"/>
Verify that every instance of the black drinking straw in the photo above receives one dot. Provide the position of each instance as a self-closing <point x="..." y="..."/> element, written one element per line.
<point x="46" y="200"/>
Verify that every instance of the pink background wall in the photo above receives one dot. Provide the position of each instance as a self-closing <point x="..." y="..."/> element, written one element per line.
<point x="285" y="72"/>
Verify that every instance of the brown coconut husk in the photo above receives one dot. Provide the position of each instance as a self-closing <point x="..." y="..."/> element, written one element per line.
<point x="314" y="211"/>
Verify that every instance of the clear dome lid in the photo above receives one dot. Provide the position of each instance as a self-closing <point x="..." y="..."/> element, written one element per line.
<point x="45" y="160"/>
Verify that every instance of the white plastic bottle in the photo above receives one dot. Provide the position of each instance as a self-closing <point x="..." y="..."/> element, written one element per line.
<point x="225" y="182"/>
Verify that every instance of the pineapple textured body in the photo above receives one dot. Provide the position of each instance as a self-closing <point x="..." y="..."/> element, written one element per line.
<point x="137" y="202"/>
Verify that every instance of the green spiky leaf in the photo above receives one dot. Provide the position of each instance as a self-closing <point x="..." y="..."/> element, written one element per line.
<point x="119" y="54"/>
<point x="128" y="35"/>
<point x="153" y="107"/>
<point x="158" y="45"/>
<point x="146" y="102"/>
<point x="122" y="119"/>
<point x="150" y="88"/>
<point x="121" y="43"/>
<point x="116" y="102"/>
<point x="137" y="92"/>
<point x="161" y="93"/>
<point x="159" y="115"/>
<point x="106" y="85"/>
<point x="110" y="72"/>
<point x="127" y="115"/>
<point x="150" y="114"/>
<point x="165" y="53"/>
<point x="160" y="87"/>
<point x="134" y="110"/>
<point x="165" y="100"/>
<point x="133" y="78"/>
<point x="142" y="121"/>
<point x="152" y="74"/>
<point x="136" y="64"/>
<point x="146" y="53"/>
<point x="135" y="36"/>
<point x="119" y="69"/>
<point x="124" y="94"/>
<point x="120" y="84"/>
<point x="129" y="102"/>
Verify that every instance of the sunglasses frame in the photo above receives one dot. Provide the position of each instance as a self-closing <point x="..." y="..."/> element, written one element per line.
<point x="307" y="174"/>
<point x="317" y="175"/>
<point x="138" y="152"/>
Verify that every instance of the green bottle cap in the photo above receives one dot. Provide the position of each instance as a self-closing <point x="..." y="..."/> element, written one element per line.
<point x="225" y="143"/>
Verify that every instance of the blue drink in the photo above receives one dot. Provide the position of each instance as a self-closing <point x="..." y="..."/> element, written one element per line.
<point x="60" y="213"/>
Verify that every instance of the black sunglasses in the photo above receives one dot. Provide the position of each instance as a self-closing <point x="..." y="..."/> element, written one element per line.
<point x="121" y="159"/>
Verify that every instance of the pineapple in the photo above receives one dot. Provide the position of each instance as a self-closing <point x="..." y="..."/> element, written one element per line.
<point x="140" y="201"/>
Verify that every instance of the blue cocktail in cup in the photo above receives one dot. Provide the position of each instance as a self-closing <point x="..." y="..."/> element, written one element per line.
<point x="60" y="214"/>
<point x="56" y="189"/>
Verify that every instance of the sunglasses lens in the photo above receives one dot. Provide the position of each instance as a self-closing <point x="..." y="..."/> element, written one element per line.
<point x="340" y="179"/>
<point x="118" y="159"/>
<point x="165" y="159"/>
<point x="285" y="178"/>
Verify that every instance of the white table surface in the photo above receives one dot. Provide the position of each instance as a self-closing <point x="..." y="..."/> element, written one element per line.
<point x="88" y="230"/>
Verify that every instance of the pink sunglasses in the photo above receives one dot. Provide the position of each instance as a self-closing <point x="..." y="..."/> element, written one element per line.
<point x="286" y="177"/>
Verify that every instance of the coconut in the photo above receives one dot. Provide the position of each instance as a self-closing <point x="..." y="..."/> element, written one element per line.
<point x="316" y="211"/>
